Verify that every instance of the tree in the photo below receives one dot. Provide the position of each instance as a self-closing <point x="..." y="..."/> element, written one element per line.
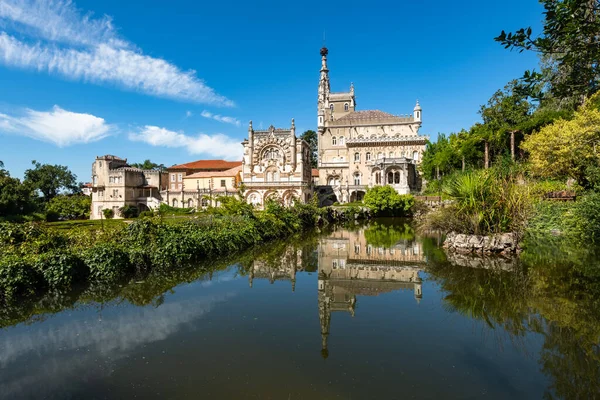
<point x="148" y="165"/>
<point x="439" y="158"/>
<point x="569" y="46"/>
<point x="311" y="138"/>
<point x="70" y="207"/>
<point x="50" y="180"/>
<point x="568" y="148"/>
<point x="15" y="197"/>
<point x="503" y="115"/>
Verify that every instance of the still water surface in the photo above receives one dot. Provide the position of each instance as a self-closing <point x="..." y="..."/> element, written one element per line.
<point x="370" y="312"/>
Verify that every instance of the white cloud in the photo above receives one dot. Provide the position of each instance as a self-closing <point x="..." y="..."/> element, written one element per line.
<point x="188" y="114"/>
<point x="217" y="145"/>
<point x="60" y="21"/>
<point x="220" y="118"/>
<point x="93" y="52"/>
<point x="57" y="126"/>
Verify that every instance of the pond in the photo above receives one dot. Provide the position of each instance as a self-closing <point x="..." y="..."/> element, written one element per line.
<point x="368" y="312"/>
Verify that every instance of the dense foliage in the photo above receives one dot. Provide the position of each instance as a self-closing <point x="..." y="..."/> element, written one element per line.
<point x="34" y="257"/>
<point x="311" y="138"/>
<point x="16" y="198"/>
<point x="484" y="202"/>
<point x="385" y="201"/>
<point x="50" y="180"/>
<point x="570" y="50"/>
<point x="69" y="207"/>
<point x="568" y="148"/>
<point x="30" y="199"/>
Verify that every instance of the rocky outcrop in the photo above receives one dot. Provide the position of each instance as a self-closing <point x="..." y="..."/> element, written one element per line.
<point x="503" y="243"/>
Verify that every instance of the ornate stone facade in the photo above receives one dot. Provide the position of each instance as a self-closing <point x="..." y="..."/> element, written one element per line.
<point x="116" y="184"/>
<point x="361" y="149"/>
<point x="276" y="164"/>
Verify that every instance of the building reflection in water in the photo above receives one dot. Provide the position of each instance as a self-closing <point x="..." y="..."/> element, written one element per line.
<point x="349" y="266"/>
<point x="283" y="268"/>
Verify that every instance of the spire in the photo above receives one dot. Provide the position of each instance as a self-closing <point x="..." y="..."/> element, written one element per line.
<point x="324" y="80"/>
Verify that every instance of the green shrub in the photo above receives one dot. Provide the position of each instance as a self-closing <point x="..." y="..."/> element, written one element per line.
<point x="52" y="216"/>
<point x="147" y="214"/>
<point x="108" y="213"/>
<point x="165" y="209"/>
<point x="18" y="277"/>
<point x="69" y="207"/>
<point x="14" y="234"/>
<point x="129" y="211"/>
<point x="107" y="262"/>
<point x="488" y="201"/>
<point x="587" y="210"/>
<point x="61" y="269"/>
<point x="385" y="201"/>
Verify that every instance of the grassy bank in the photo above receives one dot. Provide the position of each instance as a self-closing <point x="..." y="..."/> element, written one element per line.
<point x="39" y="257"/>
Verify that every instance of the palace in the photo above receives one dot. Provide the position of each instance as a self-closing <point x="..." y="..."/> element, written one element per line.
<point x="356" y="150"/>
<point x="362" y="149"/>
<point x="276" y="165"/>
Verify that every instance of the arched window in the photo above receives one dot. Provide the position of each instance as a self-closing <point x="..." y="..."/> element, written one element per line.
<point x="204" y="202"/>
<point x="271" y="154"/>
<point x="378" y="178"/>
<point x="356" y="157"/>
<point x="416" y="155"/>
<point x="368" y="156"/>
<point x="190" y="203"/>
<point x="341" y="140"/>
<point x="334" y="141"/>
<point x="397" y="177"/>
<point x="331" y="107"/>
<point x="379" y="156"/>
<point x="390" y="178"/>
<point x="357" y="179"/>
<point x="175" y="203"/>
<point x="391" y="154"/>
<point x="346" y="107"/>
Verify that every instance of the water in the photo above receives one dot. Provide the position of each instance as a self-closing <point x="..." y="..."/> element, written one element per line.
<point x="372" y="312"/>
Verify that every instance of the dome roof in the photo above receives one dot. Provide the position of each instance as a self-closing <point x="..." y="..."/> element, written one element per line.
<point x="418" y="106"/>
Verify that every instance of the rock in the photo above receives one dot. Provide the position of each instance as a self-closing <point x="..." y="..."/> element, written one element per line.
<point x="504" y="243"/>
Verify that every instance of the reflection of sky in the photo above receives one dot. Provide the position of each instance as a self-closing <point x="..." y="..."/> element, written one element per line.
<point x="85" y="346"/>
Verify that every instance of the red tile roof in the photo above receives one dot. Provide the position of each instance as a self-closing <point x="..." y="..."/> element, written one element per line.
<point x="208" y="165"/>
<point x="315" y="173"/>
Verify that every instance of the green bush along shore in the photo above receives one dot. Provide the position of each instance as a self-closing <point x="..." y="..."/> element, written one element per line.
<point x="36" y="257"/>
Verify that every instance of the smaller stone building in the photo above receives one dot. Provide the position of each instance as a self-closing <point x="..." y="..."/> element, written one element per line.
<point x="199" y="183"/>
<point x="116" y="184"/>
<point x="276" y="165"/>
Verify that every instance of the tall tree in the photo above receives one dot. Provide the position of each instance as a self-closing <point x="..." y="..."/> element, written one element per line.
<point x="310" y="137"/>
<point x="15" y="197"/>
<point x="569" y="47"/>
<point x="50" y="180"/>
<point x="148" y="165"/>
<point x="503" y="116"/>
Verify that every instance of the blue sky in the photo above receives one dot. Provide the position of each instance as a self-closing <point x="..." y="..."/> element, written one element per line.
<point x="178" y="81"/>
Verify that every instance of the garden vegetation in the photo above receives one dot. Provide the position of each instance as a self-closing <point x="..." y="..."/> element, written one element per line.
<point x="35" y="257"/>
